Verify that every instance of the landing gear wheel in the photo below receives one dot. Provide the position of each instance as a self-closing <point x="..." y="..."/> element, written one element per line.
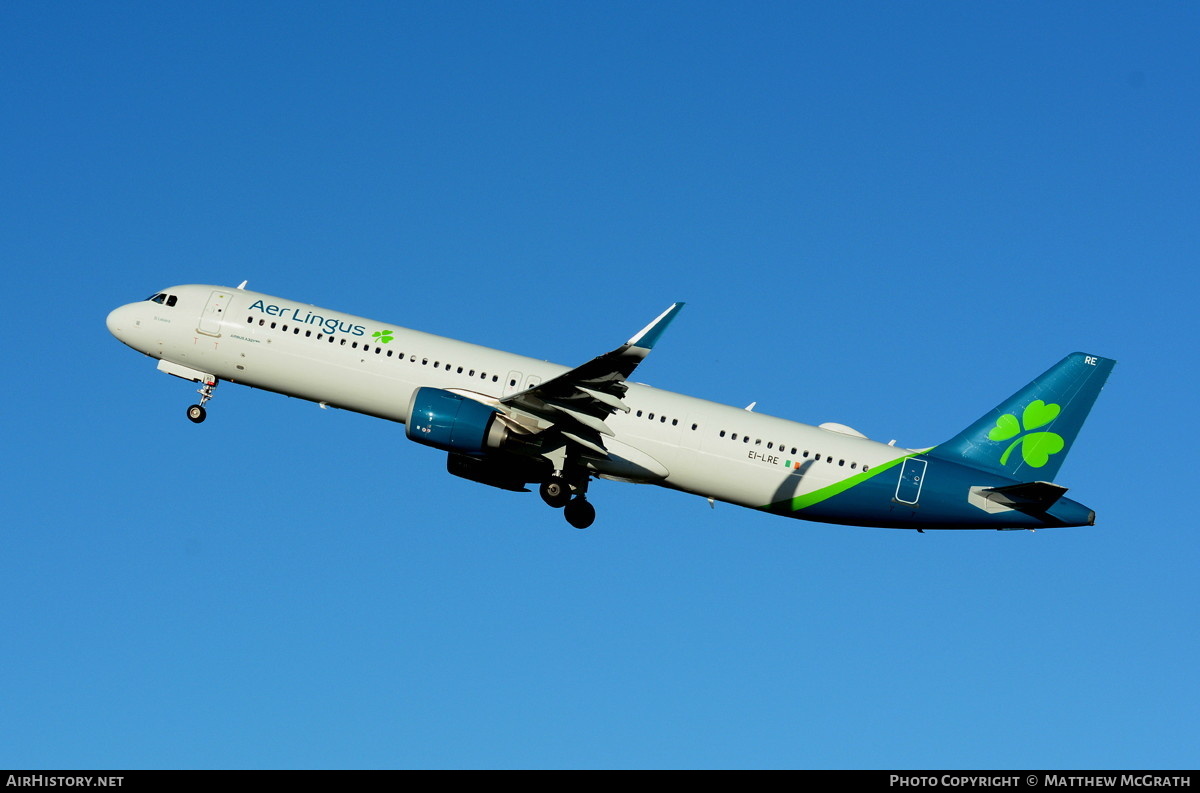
<point x="208" y="385"/>
<point x="555" y="492"/>
<point x="580" y="513"/>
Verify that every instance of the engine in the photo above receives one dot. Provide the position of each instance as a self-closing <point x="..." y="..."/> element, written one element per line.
<point x="453" y="423"/>
<point x="507" y="472"/>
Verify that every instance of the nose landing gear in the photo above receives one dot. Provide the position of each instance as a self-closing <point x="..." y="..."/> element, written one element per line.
<point x="197" y="413"/>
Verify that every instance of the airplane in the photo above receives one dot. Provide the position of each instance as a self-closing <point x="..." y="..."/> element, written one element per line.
<point x="510" y="421"/>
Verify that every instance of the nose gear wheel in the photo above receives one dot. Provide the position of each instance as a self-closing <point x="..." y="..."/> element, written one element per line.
<point x="197" y="413"/>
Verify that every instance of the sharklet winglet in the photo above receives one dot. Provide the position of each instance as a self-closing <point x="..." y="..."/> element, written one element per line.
<point x="649" y="335"/>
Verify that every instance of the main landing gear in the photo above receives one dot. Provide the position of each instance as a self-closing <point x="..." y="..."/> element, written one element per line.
<point x="557" y="492"/>
<point x="197" y="413"/>
<point x="579" y="512"/>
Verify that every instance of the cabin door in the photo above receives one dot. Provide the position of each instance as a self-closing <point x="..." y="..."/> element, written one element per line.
<point x="912" y="476"/>
<point x="214" y="311"/>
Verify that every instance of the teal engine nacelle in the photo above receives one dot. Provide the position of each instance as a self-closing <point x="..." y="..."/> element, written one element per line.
<point x="453" y="423"/>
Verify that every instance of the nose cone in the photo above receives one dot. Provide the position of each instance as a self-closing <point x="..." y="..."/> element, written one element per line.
<point x="121" y="322"/>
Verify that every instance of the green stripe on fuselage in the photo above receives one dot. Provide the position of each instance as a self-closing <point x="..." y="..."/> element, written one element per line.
<point x="829" y="491"/>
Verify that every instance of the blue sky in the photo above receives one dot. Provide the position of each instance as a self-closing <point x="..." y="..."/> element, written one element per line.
<point x="888" y="215"/>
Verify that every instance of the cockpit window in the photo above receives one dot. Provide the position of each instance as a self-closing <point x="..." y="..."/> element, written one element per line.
<point x="163" y="299"/>
<point x="171" y="300"/>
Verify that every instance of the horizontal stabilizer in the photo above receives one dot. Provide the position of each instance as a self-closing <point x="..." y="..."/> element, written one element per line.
<point x="1027" y="496"/>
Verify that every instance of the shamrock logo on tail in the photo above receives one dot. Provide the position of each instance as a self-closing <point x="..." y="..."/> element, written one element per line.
<point x="1036" y="447"/>
<point x="382" y="336"/>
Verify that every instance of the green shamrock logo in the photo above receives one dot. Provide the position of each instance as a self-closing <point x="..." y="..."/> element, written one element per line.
<point x="382" y="336"/>
<point x="1036" y="447"/>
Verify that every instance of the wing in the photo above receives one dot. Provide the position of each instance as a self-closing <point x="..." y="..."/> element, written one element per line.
<point x="577" y="402"/>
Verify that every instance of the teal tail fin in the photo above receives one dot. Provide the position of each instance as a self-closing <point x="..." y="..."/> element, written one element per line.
<point x="1028" y="435"/>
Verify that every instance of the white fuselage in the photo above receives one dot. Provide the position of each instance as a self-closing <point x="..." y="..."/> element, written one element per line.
<point x="363" y="365"/>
